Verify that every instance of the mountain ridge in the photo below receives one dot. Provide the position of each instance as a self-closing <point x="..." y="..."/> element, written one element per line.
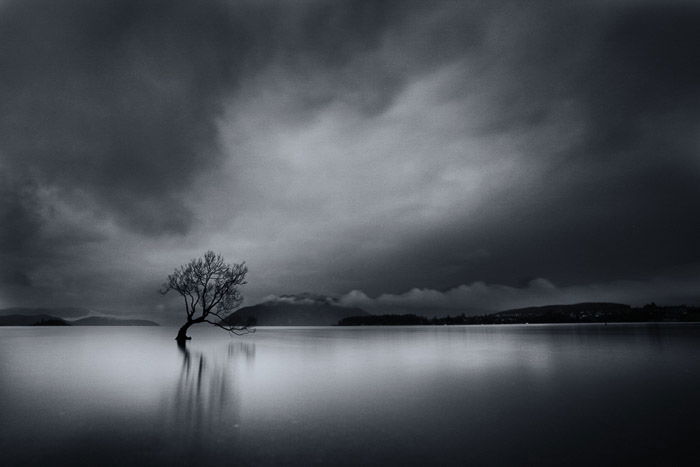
<point x="44" y="319"/>
<point x="586" y="312"/>
<point x="305" y="309"/>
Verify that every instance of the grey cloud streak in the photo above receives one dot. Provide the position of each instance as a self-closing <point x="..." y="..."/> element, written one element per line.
<point x="377" y="146"/>
<point x="512" y="145"/>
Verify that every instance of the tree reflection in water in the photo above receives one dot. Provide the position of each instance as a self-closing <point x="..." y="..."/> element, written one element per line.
<point x="205" y="407"/>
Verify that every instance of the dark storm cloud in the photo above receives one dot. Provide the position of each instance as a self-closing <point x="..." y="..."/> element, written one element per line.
<point x="20" y="223"/>
<point x="32" y="235"/>
<point x="647" y="67"/>
<point x="110" y="108"/>
<point x="377" y="146"/>
<point x="107" y="106"/>
<point x="116" y="99"/>
<point x="619" y="202"/>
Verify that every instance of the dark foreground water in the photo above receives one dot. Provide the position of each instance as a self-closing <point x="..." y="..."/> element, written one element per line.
<point x="480" y="395"/>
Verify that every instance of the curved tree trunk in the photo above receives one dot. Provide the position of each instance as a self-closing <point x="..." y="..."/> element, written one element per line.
<point x="182" y="336"/>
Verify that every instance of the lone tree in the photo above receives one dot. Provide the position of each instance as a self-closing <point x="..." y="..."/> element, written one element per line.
<point x="210" y="289"/>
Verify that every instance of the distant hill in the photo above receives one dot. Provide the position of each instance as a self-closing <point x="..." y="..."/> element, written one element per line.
<point x="106" y="321"/>
<point x="49" y="320"/>
<point x="577" y="313"/>
<point x="593" y="311"/>
<point x="31" y="320"/>
<point x="294" y="310"/>
<point x="65" y="312"/>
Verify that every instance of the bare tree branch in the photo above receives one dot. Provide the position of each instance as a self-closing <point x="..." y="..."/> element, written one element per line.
<point x="209" y="287"/>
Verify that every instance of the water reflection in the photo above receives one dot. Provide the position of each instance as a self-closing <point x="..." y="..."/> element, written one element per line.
<point x="491" y="395"/>
<point x="206" y="402"/>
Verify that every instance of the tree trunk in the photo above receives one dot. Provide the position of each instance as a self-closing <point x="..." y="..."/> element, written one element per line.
<point x="182" y="336"/>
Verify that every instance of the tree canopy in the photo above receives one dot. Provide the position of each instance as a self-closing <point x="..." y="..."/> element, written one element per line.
<point x="210" y="289"/>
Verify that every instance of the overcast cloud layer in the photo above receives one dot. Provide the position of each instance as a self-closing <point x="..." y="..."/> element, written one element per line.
<point x="437" y="155"/>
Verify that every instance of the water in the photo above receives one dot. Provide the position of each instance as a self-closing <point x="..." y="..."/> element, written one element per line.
<point x="478" y="395"/>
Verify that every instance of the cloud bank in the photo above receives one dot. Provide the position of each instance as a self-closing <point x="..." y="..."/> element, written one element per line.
<point x="481" y="298"/>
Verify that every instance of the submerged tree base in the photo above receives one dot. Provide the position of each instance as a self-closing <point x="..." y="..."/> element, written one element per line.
<point x="182" y="336"/>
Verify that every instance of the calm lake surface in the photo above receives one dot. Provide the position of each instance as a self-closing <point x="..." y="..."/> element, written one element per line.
<point x="475" y="395"/>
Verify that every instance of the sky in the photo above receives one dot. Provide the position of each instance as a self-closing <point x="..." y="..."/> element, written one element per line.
<point x="407" y="155"/>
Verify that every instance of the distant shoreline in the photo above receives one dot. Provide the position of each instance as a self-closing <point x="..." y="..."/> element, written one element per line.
<point x="551" y="314"/>
<point x="333" y="315"/>
<point x="49" y="320"/>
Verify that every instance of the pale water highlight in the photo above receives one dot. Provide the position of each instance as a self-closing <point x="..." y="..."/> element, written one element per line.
<point x="476" y="395"/>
